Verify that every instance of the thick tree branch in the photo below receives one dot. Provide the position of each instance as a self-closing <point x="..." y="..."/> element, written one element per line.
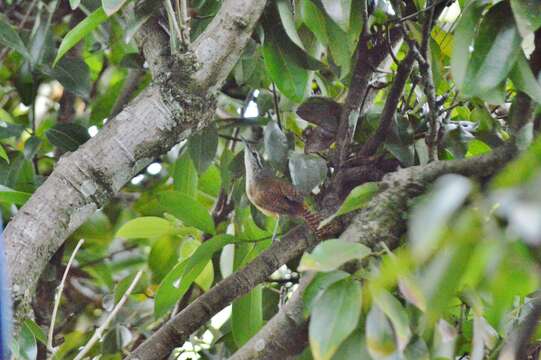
<point x="148" y="127"/>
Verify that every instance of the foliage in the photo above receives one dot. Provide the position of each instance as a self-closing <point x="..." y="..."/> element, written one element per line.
<point x="467" y="270"/>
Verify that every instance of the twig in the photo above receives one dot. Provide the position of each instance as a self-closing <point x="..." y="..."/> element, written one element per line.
<point x="276" y="109"/>
<point x="99" y="331"/>
<point x="58" y="296"/>
<point x="389" y="109"/>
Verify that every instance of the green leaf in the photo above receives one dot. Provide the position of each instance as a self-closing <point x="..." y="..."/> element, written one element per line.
<point x="26" y="346"/>
<point x="31" y="147"/>
<point x="286" y="16"/>
<point x="73" y="74"/>
<point x="276" y="146"/>
<point x="315" y="20"/>
<point x="112" y="6"/>
<point x="379" y="335"/>
<point x="357" y="199"/>
<point x="353" y="348"/>
<point x="330" y="254"/>
<point x="67" y="137"/>
<point x="163" y="256"/>
<point x="3" y="154"/>
<point x="335" y="315"/>
<point x="462" y="41"/>
<point x="185" y="175"/>
<point x="10" y="38"/>
<point x="178" y="280"/>
<point x="144" y="227"/>
<point x="476" y="148"/>
<point x="319" y="283"/>
<point x="307" y="171"/>
<point x="341" y="47"/>
<point x="339" y="11"/>
<point x="10" y="196"/>
<point x="74" y="4"/>
<point x="520" y="170"/>
<point x="496" y="49"/>
<point x="202" y="148"/>
<point x="430" y="218"/>
<point x="36" y="330"/>
<point x="396" y="314"/>
<point x="524" y="79"/>
<point x="290" y="78"/>
<point x="188" y="210"/>
<point x="527" y="15"/>
<point x="79" y="32"/>
<point x="247" y="316"/>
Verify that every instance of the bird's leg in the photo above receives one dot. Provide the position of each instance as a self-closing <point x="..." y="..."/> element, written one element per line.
<point x="276" y="226"/>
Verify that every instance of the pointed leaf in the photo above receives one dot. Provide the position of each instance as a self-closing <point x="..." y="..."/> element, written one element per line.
<point x="185" y="175"/>
<point x="247" y="316"/>
<point x="81" y="30"/>
<point x="524" y="79"/>
<point x="10" y="38"/>
<point x="202" y="147"/>
<point x="396" y="314"/>
<point x="339" y="11"/>
<point x="334" y="317"/>
<point x="67" y="137"/>
<point x="357" y="199"/>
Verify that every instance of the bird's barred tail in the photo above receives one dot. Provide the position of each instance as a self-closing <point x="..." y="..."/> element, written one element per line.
<point x="313" y="219"/>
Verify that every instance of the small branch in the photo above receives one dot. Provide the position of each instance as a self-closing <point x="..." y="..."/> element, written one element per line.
<point x="99" y="331"/>
<point x="276" y="108"/>
<point x="58" y="296"/>
<point x="389" y="109"/>
<point x="359" y="84"/>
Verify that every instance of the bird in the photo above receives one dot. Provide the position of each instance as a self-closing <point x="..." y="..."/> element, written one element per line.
<point x="274" y="196"/>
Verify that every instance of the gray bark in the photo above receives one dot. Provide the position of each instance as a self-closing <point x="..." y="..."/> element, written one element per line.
<point x="176" y="104"/>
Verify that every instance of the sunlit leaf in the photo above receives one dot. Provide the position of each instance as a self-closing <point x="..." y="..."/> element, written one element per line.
<point x="144" y="227"/>
<point x="188" y="210"/>
<point x="178" y="280"/>
<point x="330" y="254"/>
<point x="357" y="199"/>
<point x="81" y="30"/>
<point x="10" y="196"/>
<point x="527" y="15"/>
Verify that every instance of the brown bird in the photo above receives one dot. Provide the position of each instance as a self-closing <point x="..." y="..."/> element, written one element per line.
<point x="274" y="196"/>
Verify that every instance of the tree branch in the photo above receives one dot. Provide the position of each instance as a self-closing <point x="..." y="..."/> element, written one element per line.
<point x="176" y="331"/>
<point x="389" y="109"/>
<point x="148" y="127"/>
<point x="286" y="334"/>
